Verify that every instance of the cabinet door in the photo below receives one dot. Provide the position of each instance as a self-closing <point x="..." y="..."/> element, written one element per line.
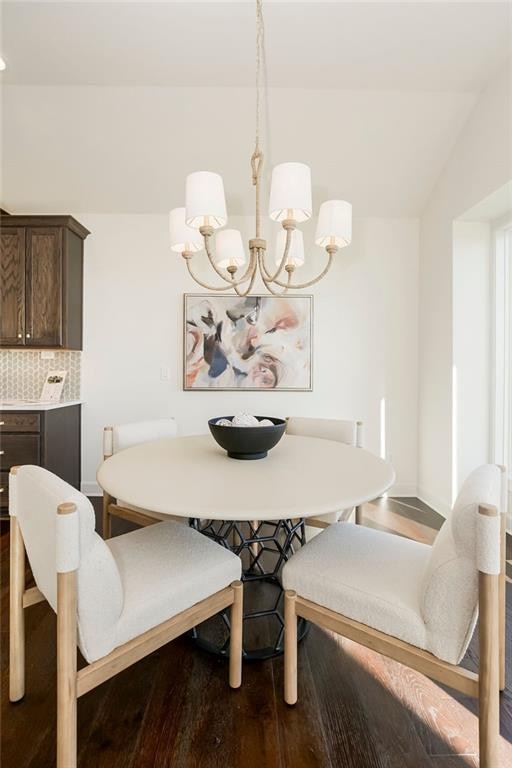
<point x="12" y="286"/>
<point x="4" y="491"/>
<point x="43" y="305"/>
<point x="19" y="449"/>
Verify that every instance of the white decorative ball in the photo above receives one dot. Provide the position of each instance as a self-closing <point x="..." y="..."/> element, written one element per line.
<point x="265" y="423"/>
<point x="223" y="423"/>
<point x="245" y="420"/>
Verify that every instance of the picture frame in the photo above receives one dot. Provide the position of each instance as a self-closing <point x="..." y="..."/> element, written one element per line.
<point x="253" y="343"/>
<point x="53" y="386"/>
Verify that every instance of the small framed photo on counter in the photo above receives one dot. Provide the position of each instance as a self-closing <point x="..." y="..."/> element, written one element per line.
<point x="53" y="386"/>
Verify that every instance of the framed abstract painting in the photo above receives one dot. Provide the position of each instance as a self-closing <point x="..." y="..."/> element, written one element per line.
<point x="251" y="343"/>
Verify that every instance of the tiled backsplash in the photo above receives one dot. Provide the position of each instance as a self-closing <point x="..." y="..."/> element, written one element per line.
<point x="23" y="372"/>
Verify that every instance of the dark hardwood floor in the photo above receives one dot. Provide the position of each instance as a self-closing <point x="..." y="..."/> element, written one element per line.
<point x="174" y="709"/>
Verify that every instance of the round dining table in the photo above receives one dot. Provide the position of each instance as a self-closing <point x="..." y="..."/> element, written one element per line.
<point x="258" y="509"/>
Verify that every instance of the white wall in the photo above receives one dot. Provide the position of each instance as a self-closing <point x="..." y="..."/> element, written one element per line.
<point x="471" y="347"/>
<point x="480" y="163"/>
<point x="365" y="337"/>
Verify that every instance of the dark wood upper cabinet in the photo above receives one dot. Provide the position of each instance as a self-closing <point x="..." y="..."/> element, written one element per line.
<point x="43" y="284"/>
<point x="12" y="285"/>
<point x="41" y="273"/>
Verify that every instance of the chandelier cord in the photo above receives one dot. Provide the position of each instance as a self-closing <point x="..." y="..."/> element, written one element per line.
<point x="257" y="157"/>
<point x="260" y="36"/>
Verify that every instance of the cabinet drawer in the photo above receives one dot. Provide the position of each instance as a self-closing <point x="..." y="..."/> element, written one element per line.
<point x="19" y="449"/>
<point x="20" y="422"/>
<point x="4" y="490"/>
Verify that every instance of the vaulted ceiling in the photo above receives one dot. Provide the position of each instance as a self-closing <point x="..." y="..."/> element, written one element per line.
<point x="371" y="46"/>
<point x="107" y="106"/>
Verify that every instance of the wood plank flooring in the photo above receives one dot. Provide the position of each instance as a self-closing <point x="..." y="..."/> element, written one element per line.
<point x="174" y="709"/>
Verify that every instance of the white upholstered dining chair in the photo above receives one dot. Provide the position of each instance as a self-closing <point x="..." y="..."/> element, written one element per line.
<point x="118" y="438"/>
<point x="118" y="600"/>
<point x="415" y="603"/>
<point x="339" y="430"/>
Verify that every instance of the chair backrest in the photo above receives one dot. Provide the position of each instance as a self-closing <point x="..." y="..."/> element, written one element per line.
<point x="342" y="431"/>
<point x="449" y="599"/>
<point x="123" y="436"/>
<point x="34" y="495"/>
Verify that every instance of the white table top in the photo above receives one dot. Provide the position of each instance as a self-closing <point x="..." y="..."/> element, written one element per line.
<point x="194" y="477"/>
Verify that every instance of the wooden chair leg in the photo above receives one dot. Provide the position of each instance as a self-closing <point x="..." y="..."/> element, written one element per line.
<point x="16" y="614"/>
<point x="106" y="528"/>
<point x="359" y="515"/>
<point x="503" y="602"/>
<point x="236" y="632"/>
<point x="489" y="672"/>
<point x="290" y="647"/>
<point x="66" y="670"/>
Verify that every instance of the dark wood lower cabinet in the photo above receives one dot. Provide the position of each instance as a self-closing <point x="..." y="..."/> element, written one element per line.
<point x="50" y="439"/>
<point x="19" y="449"/>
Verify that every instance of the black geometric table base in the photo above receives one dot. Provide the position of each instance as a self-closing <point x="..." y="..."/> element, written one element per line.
<point x="264" y="547"/>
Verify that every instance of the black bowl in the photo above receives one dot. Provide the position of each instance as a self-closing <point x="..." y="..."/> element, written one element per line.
<point x="247" y="442"/>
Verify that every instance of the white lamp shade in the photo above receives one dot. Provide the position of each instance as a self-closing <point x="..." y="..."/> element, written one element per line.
<point x="334" y="224"/>
<point x="229" y="249"/>
<point x="183" y="238"/>
<point x="296" y="251"/>
<point x="204" y="200"/>
<point x="290" y="192"/>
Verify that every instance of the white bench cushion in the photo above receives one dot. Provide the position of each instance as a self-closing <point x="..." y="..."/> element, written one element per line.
<point x="366" y="575"/>
<point x="166" y="568"/>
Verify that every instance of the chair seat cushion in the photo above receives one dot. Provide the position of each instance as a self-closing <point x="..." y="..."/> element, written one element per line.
<point x="166" y="568"/>
<point x="366" y="575"/>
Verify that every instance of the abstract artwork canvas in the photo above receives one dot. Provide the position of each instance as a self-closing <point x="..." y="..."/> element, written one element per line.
<point x="251" y="343"/>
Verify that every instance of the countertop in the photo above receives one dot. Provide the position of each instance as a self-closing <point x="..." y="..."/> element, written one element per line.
<point x="34" y="405"/>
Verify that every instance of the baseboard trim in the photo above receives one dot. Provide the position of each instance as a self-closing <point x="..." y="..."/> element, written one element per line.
<point x="436" y="504"/>
<point x="91" y="489"/>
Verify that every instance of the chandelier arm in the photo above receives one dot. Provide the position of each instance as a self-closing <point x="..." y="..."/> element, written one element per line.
<point x="200" y="282"/>
<point x="206" y="239"/>
<point x="247" y="290"/>
<point x="230" y="282"/>
<point x="299" y="286"/>
<point x="268" y="283"/>
<point x="263" y="266"/>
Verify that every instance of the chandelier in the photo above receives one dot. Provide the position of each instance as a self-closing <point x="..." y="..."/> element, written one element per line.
<point x="192" y="228"/>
